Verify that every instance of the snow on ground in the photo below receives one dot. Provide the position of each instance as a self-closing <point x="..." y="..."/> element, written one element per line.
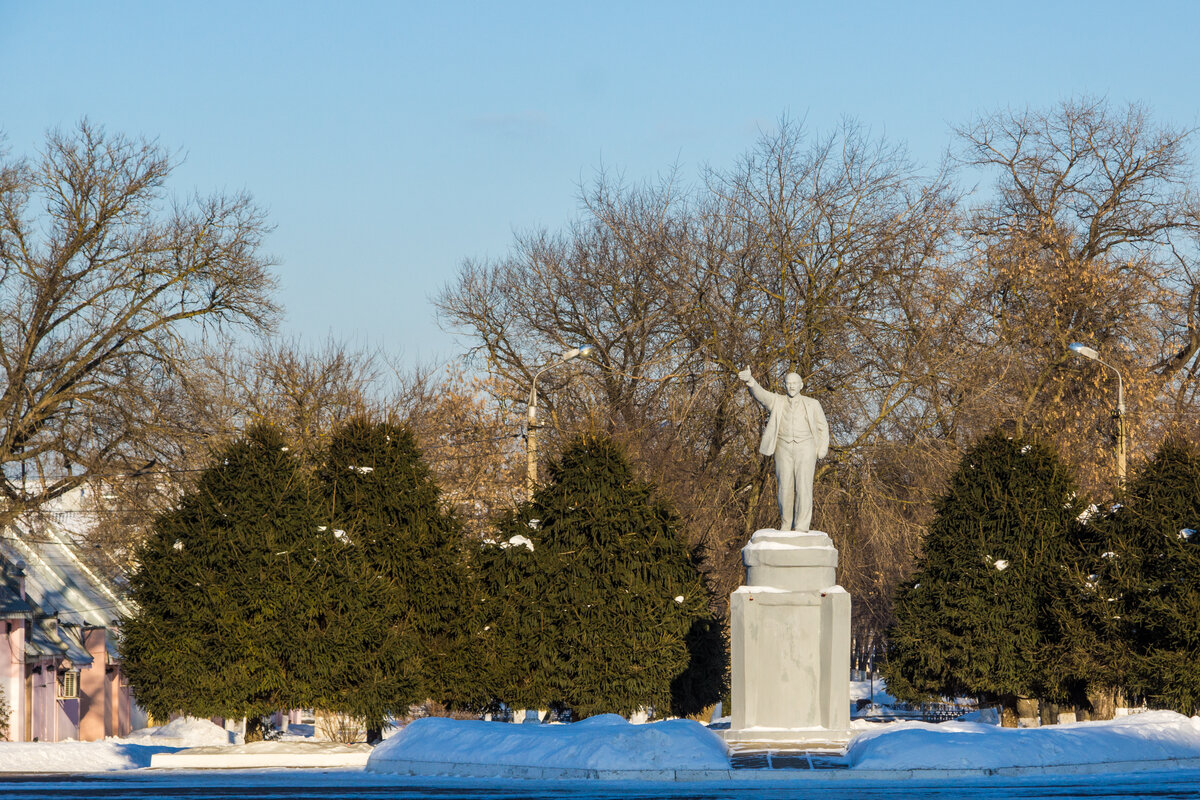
<point x="1155" y="735"/>
<point x="609" y="742"/>
<point x="299" y="731"/>
<point x="989" y="715"/>
<point x="75" y="756"/>
<point x="183" y="732"/>
<point x="256" y="755"/>
<point x="113" y="753"/>
<point x="603" y="742"/>
<point x="862" y="690"/>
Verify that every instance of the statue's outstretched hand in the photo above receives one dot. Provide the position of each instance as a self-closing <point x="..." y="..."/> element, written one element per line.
<point x="744" y="376"/>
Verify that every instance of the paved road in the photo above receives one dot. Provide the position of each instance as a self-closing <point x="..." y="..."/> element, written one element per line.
<point x="356" y="785"/>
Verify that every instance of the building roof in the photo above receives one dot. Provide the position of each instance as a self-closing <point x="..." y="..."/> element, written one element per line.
<point x="12" y="605"/>
<point x="56" y="578"/>
<point x="44" y="641"/>
<point x="62" y="594"/>
<point x="76" y="651"/>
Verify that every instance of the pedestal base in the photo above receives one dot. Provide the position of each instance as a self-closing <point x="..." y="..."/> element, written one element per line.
<point x="790" y="647"/>
<point x="787" y="739"/>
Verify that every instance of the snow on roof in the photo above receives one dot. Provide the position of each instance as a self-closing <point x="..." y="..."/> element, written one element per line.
<point x="56" y="579"/>
<point x="11" y="604"/>
<point x="76" y="651"/>
<point x="42" y="643"/>
<point x="49" y="639"/>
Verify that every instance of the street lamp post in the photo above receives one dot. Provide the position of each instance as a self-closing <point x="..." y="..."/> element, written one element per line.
<point x="1080" y="349"/>
<point x="531" y="448"/>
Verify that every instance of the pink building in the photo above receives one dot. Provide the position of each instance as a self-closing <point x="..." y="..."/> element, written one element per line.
<point x="60" y="674"/>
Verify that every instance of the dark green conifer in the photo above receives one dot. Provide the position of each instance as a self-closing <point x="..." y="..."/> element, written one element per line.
<point x="1143" y="604"/>
<point x="408" y="622"/>
<point x="1092" y="651"/>
<point x="976" y="618"/>
<point x="592" y="600"/>
<point x="228" y="590"/>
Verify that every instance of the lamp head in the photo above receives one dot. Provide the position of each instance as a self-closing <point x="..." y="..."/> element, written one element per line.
<point x="576" y="352"/>
<point x="1081" y="349"/>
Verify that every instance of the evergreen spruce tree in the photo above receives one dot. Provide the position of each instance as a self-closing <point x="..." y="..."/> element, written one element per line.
<point x="407" y="620"/>
<point x="228" y="591"/>
<point x="977" y="616"/>
<point x="1144" y="609"/>
<point x="592" y="600"/>
<point x="1092" y="651"/>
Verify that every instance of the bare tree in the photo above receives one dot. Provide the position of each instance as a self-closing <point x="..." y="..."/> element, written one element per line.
<point x="105" y="284"/>
<point x="829" y="256"/>
<point x="918" y="325"/>
<point x="1089" y="235"/>
<point x="307" y="391"/>
<point x="470" y="438"/>
<point x="223" y="389"/>
<point x="825" y="256"/>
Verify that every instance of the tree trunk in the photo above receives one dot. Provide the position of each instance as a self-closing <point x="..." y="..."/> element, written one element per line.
<point x="1008" y="711"/>
<point x="256" y="729"/>
<point x="1104" y="702"/>
<point x="1027" y="712"/>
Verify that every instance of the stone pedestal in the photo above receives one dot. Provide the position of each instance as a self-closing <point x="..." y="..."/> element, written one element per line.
<point x="790" y="627"/>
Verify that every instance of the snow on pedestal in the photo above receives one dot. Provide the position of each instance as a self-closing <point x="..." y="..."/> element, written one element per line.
<point x="790" y="627"/>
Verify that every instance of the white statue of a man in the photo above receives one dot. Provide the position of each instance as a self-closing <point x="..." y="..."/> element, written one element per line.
<point x="797" y="435"/>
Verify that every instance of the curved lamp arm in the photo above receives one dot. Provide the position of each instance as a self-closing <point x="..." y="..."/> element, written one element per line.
<point x="573" y="353"/>
<point x="531" y="456"/>
<point x="1081" y="349"/>
<point x="1090" y="353"/>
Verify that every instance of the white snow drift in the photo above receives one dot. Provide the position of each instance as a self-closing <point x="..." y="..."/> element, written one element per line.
<point x="604" y="742"/>
<point x="608" y="743"/>
<point x="131" y="752"/>
<point x="1152" y="736"/>
<point x="183" y="732"/>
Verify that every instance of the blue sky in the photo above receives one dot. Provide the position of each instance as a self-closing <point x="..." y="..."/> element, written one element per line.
<point x="389" y="141"/>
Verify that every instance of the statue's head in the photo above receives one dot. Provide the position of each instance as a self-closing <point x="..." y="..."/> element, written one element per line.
<point x="793" y="383"/>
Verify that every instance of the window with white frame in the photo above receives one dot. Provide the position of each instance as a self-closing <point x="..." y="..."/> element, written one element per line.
<point x="68" y="685"/>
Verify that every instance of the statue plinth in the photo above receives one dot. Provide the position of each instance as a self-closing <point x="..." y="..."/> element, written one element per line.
<point x="790" y="648"/>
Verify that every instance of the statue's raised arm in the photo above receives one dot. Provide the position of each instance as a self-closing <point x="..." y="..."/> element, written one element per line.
<point x="760" y="394"/>
<point x="797" y="435"/>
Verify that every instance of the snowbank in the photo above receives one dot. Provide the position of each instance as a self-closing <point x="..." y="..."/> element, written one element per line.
<point x="261" y="755"/>
<point x="605" y="742"/>
<point x="862" y="690"/>
<point x="1155" y="735"/>
<point x="75" y="756"/>
<point x="612" y="745"/>
<point x="183" y="732"/>
<point x="131" y="752"/>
